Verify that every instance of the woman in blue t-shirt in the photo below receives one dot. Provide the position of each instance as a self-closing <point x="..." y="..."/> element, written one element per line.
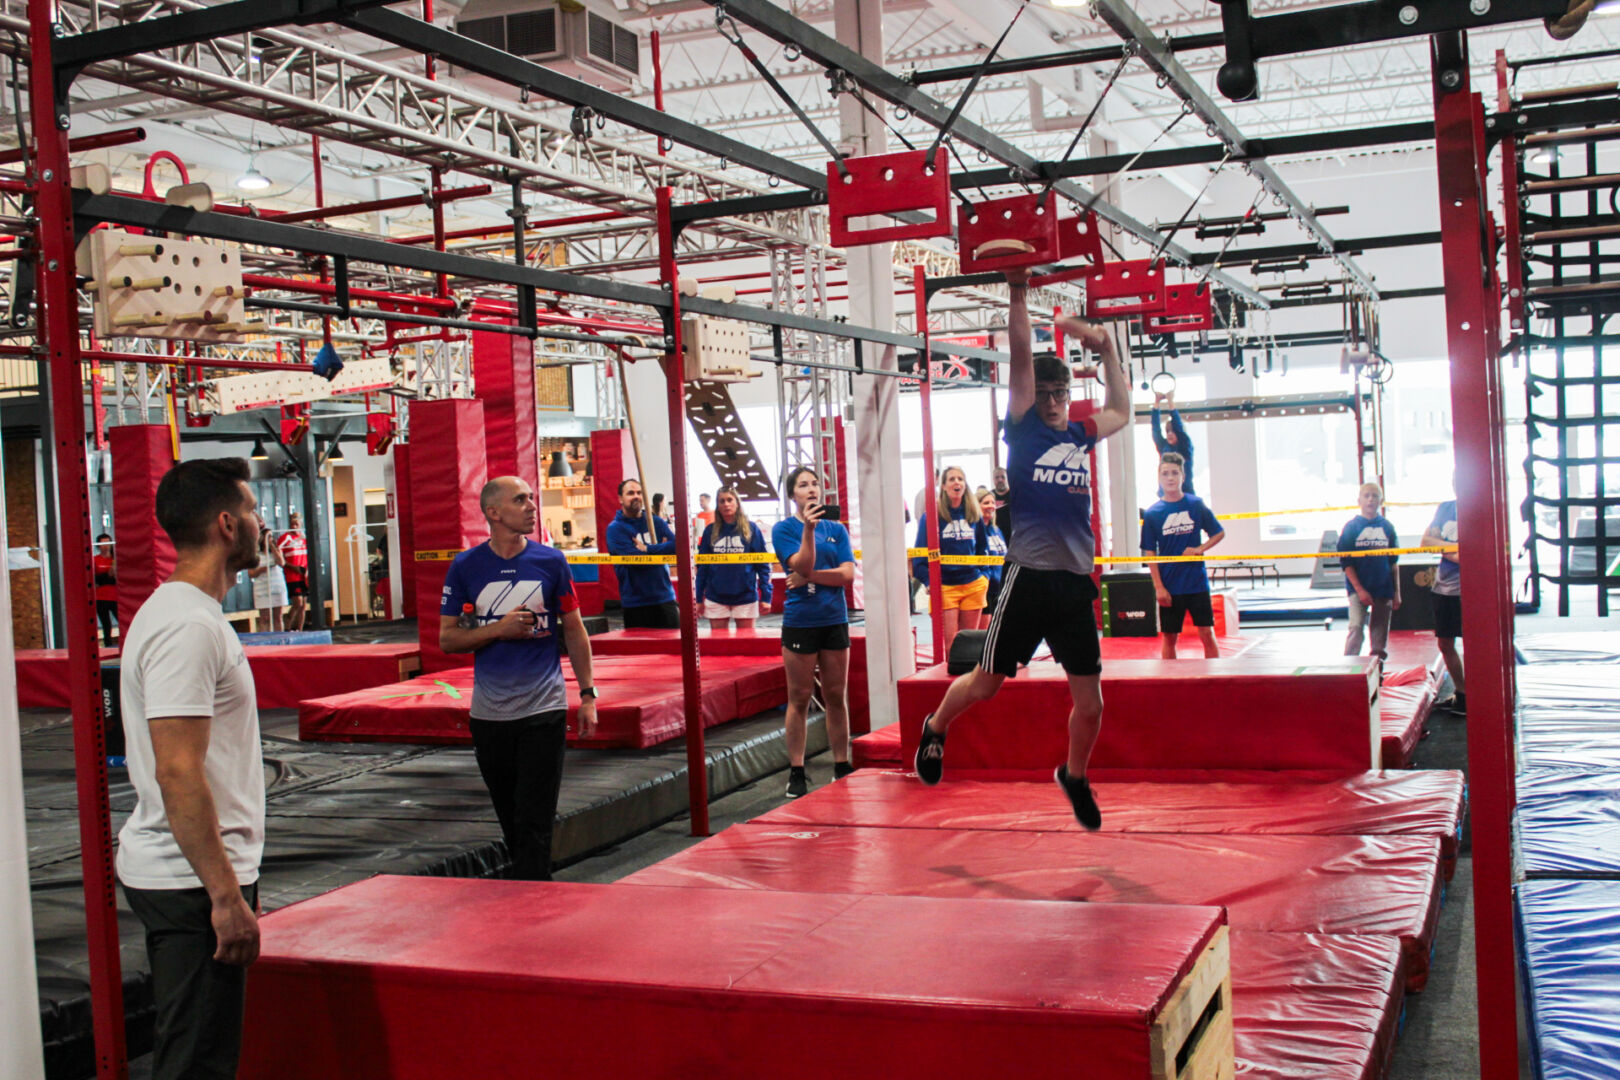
<point x="994" y="544"/>
<point x="961" y="532"/>
<point x="731" y="592"/>
<point x="820" y="563"/>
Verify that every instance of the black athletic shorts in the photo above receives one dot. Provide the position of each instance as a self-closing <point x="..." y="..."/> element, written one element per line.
<point x="1054" y="606"/>
<point x="297" y="587"/>
<point x="665" y="616"/>
<point x="809" y="640"/>
<point x="1181" y="605"/>
<point x="1447" y="616"/>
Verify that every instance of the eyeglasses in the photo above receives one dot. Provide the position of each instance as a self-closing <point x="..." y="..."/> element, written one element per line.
<point x="1051" y="395"/>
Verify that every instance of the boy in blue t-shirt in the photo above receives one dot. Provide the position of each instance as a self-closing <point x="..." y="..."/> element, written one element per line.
<point x="1172" y="526"/>
<point x="523" y="613"/>
<point x="1374" y="587"/>
<point x="1047" y="591"/>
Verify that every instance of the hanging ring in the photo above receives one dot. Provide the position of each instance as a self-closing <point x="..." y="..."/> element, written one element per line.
<point x="773" y="181"/>
<point x="1170" y="388"/>
<point x="790" y="52"/>
<point x="901" y="114"/>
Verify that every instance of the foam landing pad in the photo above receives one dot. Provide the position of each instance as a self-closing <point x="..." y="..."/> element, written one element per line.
<point x="412" y="977"/>
<point x="1303" y="884"/>
<point x="1239" y="713"/>
<point x="639" y="703"/>
<point x="1427" y="803"/>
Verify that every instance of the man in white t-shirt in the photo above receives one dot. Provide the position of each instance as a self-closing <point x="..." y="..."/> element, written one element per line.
<point x="189" y="855"/>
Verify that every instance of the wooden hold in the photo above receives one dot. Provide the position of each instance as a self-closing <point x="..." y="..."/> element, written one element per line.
<point x="195" y="317"/>
<point x="226" y="290"/>
<point x="252" y="326"/>
<point x="686" y="286"/>
<point x="153" y="250"/>
<point x="94" y="178"/>
<point x="198" y="196"/>
<point x="141" y="320"/>
<point x="148" y="284"/>
<point x="1006" y="245"/>
<point x="726" y="294"/>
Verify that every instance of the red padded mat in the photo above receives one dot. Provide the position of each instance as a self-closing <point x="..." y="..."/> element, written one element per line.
<point x="1237" y="713"/>
<point x="1309" y="884"/>
<point x="1403" y="711"/>
<point x="878" y="749"/>
<point x="42" y="677"/>
<point x="639" y="703"/>
<point x="1315" y="1006"/>
<point x="1407" y="648"/>
<point x="1421" y="803"/>
<point x="284" y="675"/>
<point x="494" y="979"/>
<point x="1147" y="648"/>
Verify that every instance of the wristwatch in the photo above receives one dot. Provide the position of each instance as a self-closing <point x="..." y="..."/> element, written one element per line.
<point x="587" y="692"/>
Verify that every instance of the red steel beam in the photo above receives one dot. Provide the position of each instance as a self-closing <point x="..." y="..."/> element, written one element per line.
<point x="936" y="595"/>
<point x="486" y="231"/>
<point x="59" y="325"/>
<point x="121" y="137"/>
<point x="326" y="288"/>
<point x="1481" y="479"/>
<point x="435" y="199"/>
<point x="697" y="762"/>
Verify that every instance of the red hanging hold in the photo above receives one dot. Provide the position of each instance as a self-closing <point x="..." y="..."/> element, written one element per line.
<point x="1007" y="234"/>
<point x="883" y="185"/>
<point x="1132" y="287"/>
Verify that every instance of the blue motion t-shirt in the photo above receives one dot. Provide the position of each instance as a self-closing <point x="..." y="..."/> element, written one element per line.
<point x="1049" y="474"/>
<point x="732" y="584"/>
<point x="812" y="604"/>
<point x="522" y="676"/>
<point x="1376" y="572"/>
<point x="958" y="536"/>
<point x="1448" y="579"/>
<point x="1172" y="528"/>
<point x="994" y="544"/>
<point x="641" y="586"/>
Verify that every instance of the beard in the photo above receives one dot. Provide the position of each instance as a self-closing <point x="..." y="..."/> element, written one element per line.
<point x="245" y="555"/>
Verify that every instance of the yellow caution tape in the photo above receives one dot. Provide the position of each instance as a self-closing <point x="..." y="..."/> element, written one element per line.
<point x="1116" y="559"/>
<point x="436" y="556"/>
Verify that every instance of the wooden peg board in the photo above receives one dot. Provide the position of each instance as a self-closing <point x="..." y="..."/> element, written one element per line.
<point x="716" y="349"/>
<point x="260" y="390"/>
<point x="186" y="308"/>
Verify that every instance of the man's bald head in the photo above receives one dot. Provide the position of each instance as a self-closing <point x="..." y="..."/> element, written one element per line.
<point x="496" y="489"/>
<point x="509" y="506"/>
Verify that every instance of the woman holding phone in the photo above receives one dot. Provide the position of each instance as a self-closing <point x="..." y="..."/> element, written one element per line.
<point x="815" y="551"/>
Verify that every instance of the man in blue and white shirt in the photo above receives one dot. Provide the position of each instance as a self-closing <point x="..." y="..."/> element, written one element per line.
<point x="1373" y="585"/>
<point x="523" y="604"/>
<point x="1047" y="592"/>
<point x="1447" y="593"/>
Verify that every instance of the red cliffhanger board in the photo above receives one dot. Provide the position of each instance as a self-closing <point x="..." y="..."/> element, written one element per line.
<point x="417" y="978"/>
<point x="1427" y="803"/>
<point x="1301" y="884"/>
<point x="1240" y="713"/>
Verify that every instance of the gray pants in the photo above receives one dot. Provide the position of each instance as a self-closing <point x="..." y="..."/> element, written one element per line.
<point x="1374" y="618"/>
<point x="199" y="1000"/>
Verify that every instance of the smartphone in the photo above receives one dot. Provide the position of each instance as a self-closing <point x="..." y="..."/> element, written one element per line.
<point x="832" y="512"/>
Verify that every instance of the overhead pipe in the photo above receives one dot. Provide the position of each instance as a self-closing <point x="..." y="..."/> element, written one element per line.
<point x="434" y="199"/>
<point x="100" y="141"/>
<point x="487" y="231"/>
<point x="326" y="288"/>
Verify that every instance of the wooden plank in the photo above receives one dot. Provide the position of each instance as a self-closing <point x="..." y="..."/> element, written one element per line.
<point x="1571" y="183"/>
<point x="1212" y="1055"/>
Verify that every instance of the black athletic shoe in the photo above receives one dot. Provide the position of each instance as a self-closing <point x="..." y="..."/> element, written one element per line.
<point x="1079" y="793"/>
<point x="842" y="769"/>
<point x="930" y="761"/>
<point x="798" y="782"/>
<point x="1458" y="703"/>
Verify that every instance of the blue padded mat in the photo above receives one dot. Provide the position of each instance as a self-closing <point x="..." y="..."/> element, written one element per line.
<point x="1569" y="942"/>
<point x="1569" y="823"/>
<point x="1577" y="689"/>
<point x="1569" y="717"/>
<point x="1602" y="647"/>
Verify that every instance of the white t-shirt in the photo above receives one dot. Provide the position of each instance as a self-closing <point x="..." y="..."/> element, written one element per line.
<point x="181" y="658"/>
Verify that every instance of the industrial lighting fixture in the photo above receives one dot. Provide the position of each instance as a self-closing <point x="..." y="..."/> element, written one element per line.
<point x="559" y="465"/>
<point x="337" y="451"/>
<point x="259" y="451"/>
<point x="253" y="179"/>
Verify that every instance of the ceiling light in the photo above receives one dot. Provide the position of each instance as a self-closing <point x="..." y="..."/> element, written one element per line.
<point x="259" y="452"/>
<point x="253" y="179"/>
<point x="337" y="451"/>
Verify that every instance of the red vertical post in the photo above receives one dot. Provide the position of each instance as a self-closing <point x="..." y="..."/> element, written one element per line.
<point x="697" y="761"/>
<point x="59" y="334"/>
<point x="1480" y="452"/>
<point x="925" y="364"/>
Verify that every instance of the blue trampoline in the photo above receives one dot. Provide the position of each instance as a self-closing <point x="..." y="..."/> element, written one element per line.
<point x="1569" y="823"/>
<point x="1569" y="941"/>
<point x="1596" y="648"/>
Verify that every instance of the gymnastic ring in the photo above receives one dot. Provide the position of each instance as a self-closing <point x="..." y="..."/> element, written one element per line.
<point x="1154" y="384"/>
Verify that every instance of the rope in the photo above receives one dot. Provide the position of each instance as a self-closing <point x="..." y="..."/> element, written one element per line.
<point x="721" y="22"/>
<point x="967" y="92"/>
<point x="1125" y="58"/>
<point x="1171" y="235"/>
<point x="1186" y="110"/>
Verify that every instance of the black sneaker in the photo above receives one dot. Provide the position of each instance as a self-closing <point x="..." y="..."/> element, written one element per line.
<point x="798" y="782"/>
<point x="930" y="763"/>
<point x="842" y="769"/>
<point x="1079" y="793"/>
<point x="1458" y="703"/>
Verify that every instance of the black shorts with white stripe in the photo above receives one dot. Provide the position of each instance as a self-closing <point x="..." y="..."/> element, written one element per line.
<point x="1054" y="606"/>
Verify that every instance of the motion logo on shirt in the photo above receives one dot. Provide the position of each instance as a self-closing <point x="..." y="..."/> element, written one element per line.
<point x="958" y="529"/>
<point x="1177" y="524"/>
<point x="729" y="545"/>
<point x="500" y="597"/>
<point x="1372" y="536"/>
<point x="1448" y="531"/>
<point x="1066" y="464"/>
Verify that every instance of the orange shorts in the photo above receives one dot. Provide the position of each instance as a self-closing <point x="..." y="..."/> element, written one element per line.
<point x="969" y="597"/>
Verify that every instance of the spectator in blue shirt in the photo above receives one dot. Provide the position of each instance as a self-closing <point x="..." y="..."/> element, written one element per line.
<point x="1173" y="438"/>
<point x="523" y="614"/>
<point x="732" y="592"/>
<point x="1172" y="526"/>
<point x="645" y="593"/>
<point x="961" y="532"/>
<point x="820" y="563"/>
<point x="994" y="544"/>
<point x="1373" y="585"/>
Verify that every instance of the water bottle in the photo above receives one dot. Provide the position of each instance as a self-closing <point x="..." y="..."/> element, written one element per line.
<point x="468" y="619"/>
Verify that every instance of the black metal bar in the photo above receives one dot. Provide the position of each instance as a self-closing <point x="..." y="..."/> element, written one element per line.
<point x="698" y="305"/>
<point x="1051" y="60"/>
<point x="1314" y="251"/>
<point x="1336" y="27"/>
<point x="1336" y="298"/>
<point x="77" y="51"/>
<point x="340" y="285"/>
<point x="1564" y="58"/>
<point x="413" y="33"/>
<point x="687" y="213"/>
<point x="1553" y="117"/>
<point x="933" y="285"/>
